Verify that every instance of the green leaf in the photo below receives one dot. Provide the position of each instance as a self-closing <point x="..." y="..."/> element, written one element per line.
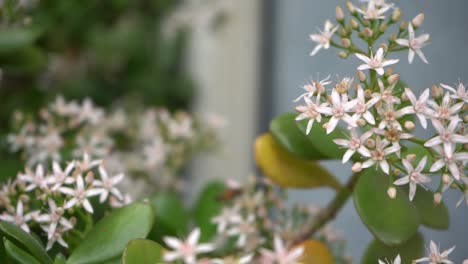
<point x="16" y="235"/>
<point x="392" y="221"/>
<point x="286" y="170"/>
<point x="60" y="259"/>
<point x="24" y="61"/>
<point x="286" y="132"/>
<point x="409" y="251"/>
<point x="142" y="251"/>
<point x="18" y="254"/>
<point x="110" y="235"/>
<point x="16" y="38"/>
<point x="420" y="152"/>
<point x="433" y="216"/>
<point x="171" y="216"/>
<point x="322" y="141"/>
<point x="206" y="207"/>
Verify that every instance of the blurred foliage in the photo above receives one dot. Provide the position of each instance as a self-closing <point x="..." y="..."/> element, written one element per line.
<point x="110" y="51"/>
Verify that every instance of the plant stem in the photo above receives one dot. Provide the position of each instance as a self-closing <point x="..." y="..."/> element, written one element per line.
<point x="330" y="211"/>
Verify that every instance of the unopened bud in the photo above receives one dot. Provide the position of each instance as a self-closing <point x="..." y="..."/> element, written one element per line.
<point x="370" y="143"/>
<point x="368" y="32"/>
<point x="354" y="24"/>
<point x="394" y="78"/>
<point x="361" y="76"/>
<point x="397" y="172"/>
<point x="403" y="25"/>
<point x="392" y="192"/>
<point x="343" y="31"/>
<point x="351" y="7"/>
<point x="418" y="20"/>
<point x="339" y="14"/>
<point x="389" y="71"/>
<point x="346" y="42"/>
<point x="465" y="146"/>
<point x="446" y="179"/>
<point x="89" y="177"/>
<point x="437" y="198"/>
<point x="465" y="107"/>
<point x="343" y="54"/>
<point x="59" y="211"/>
<point x="72" y="220"/>
<point x="368" y="93"/>
<point x="361" y="122"/>
<point x="324" y="126"/>
<point x="409" y="125"/>
<point x="396" y="14"/>
<point x="357" y="167"/>
<point x="436" y="91"/>
<point x="393" y="37"/>
<point x="383" y="27"/>
<point x="411" y="157"/>
<point x="24" y="198"/>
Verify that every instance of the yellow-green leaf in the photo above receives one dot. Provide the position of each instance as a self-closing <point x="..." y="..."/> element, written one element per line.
<point x="409" y="251"/>
<point x="142" y="251"/>
<point x="315" y="252"/>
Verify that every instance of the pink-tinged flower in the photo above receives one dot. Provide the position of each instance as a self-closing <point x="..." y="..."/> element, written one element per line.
<point x="311" y="111"/>
<point x="376" y="62"/>
<point x="60" y="177"/>
<point x="386" y="94"/>
<point x="378" y="155"/>
<point x="389" y="117"/>
<point x="377" y="3"/>
<point x="35" y="180"/>
<point x="281" y="255"/>
<point x="414" y="176"/>
<point x="394" y="135"/>
<point x="107" y="185"/>
<point x="339" y="111"/>
<point x="20" y="219"/>
<point x="186" y="250"/>
<point x="396" y="261"/>
<point x="234" y="260"/>
<point x="362" y="107"/>
<point x="435" y="257"/>
<point x="355" y="143"/>
<point x="56" y="238"/>
<point x="450" y="162"/>
<point x="460" y="93"/>
<point x="445" y="110"/>
<point x="312" y="87"/>
<point x="243" y="229"/>
<point x="79" y="195"/>
<point x="447" y="136"/>
<point x="374" y="11"/>
<point x="228" y="216"/>
<point x="87" y="163"/>
<point x="54" y="218"/>
<point x="323" y="38"/>
<point x="418" y="107"/>
<point x="415" y="44"/>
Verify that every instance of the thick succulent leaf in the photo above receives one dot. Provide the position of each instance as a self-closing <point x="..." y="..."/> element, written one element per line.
<point x="315" y="252"/>
<point x="60" y="259"/>
<point x="109" y="236"/>
<point x="286" y="170"/>
<point x="18" y="254"/>
<point x="24" y="61"/>
<point x="433" y="216"/>
<point x="322" y="141"/>
<point x="16" y="38"/>
<point x="142" y="251"/>
<point x="409" y="251"/>
<point x="420" y="153"/>
<point x="171" y="215"/>
<point x="392" y="221"/>
<point x="286" y="132"/>
<point x="22" y="239"/>
<point x="208" y="206"/>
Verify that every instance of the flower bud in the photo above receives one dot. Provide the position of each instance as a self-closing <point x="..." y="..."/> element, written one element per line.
<point x="339" y="14"/>
<point x="354" y="24"/>
<point x="346" y="42"/>
<point x="465" y="107"/>
<point x="357" y="167"/>
<point x="397" y="172"/>
<point x="361" y="122"/>
<point x="343" y="54"/>
<point x="396" y="14"/>
<point x="437" y="91"/>
<point x="446" y="179"/>
<point x="383" y="46"/>
<point x="437" y="198"/>
<point x="368" y="93"/>
<point x="465" y="146"/>
<point x="72" y="220"/>
<point x="409" y="125"/>
<point x="59" y="211"/>
<point x="370" y="143"/>
<point x="368" y="32"/>
<point x="418" y="20"/>
<point x="24" y="198"/>
<point x="351" y="7"/>
<point x="324" y="126"/>
<point x="411" y="157"/>
<point x="394" y="78"/>
<point x="393" y="37"/>
<point x="89" y="177"/>
<point x="343" y="31"/>
<point x="403" y="25"/>
<point x="404" y="97"/>
<point x="383" y="27"/>
<point x="389" y="71"/>
<point x="361" y="76"/>
<point x="392" y="192"/>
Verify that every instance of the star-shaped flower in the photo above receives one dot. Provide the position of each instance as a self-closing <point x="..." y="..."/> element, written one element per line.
<point x="79" y="195"/>
<point x="414" y="176"/>
<point x="415" y="44"/>
<point x="418" y="106"/>
<point x="375" y="62"/>
<point x="396" y="261"/>
<point x="460" y="93"/>
<point x="186" y="250"/>
<point x="107" y="185"/>
<point x="323" y="38"/>
<point x="435" y="257"/>
<point x="280" y="254"/>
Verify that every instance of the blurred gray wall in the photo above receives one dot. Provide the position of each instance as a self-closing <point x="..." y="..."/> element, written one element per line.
<point x="293" y="21"/>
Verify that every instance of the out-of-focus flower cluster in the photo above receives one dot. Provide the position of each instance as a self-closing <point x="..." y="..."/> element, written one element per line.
<point x="379" y="114"/>
<point x="59" y="202"/>
<point x="152" y="145"/>
<point x="255" y="226"/>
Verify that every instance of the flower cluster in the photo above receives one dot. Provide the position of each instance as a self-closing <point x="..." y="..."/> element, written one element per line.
<point x="152" y="145"/>
<point x="434" y="256"/>
<point x="376" y="113"/>
<point x="61" y="200"/>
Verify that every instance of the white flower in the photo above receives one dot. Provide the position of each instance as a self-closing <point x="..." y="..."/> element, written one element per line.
<point x="107" y="185"/>
<point x="394" y="135"/>
<point x="451" y="162"/>
<point x="36" y="180"/>
<point x="155" y="153"/>
<point x="415" y="44"/>
<point x="281" y="255"/>
<point x="339" y="111"/>
<point x="447" y="136"/>
<point x="414" y="176"/>
<point x="56" y="237"/>
<point x="87" y="163"/>
<point x="60" y="176"/>
<point x="54" y="218"/>
<point x="312" y="87"/>
<point x="396" y="261"/>
<point x="89" y="113"/>
<point x="311" y="111"/>
<point x="324" y="37"/>
<point x="376" y="62"/>
<point x="389" y="117"/>
<point x="435" y="257"/>
<point x="355" y="143"/>
<point x="378" y="155"/>
<point x="386" y="94"/>
<point x="227" y="216"/>
<point x="461" y="93"/>
<point x="418" y="106"/>
<point x="374" y="11"/>
<point x="79" y="195"/>
<point x="20" y="219"/>
<point x="362" y="107"/>
<point x="233" y="260"/>
<point x="186" y="250"/>
<point x="445" y="110"/>
<point x="377" y="3"/>
<point x="245" y="227"/>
